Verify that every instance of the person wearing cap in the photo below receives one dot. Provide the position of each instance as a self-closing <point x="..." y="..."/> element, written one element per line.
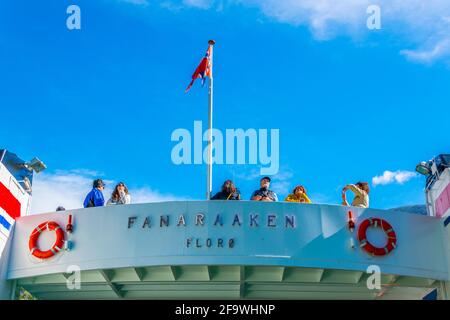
<point x="120" y="195"/>
<point x="298" y="195"/>
<point x="95" y="197"/>
<point x="264" y="193"/>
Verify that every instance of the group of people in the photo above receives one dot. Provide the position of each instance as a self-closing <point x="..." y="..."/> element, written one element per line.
<point x="120" y="195"/>
<point x="230" y="192"/>
<point x="95" y="198"/>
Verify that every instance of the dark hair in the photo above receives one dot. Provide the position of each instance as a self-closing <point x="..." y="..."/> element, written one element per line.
<point x="230" y="189"/>
<point x="364" y="186"/>
<point x="115" y="194"/>
<point x="98" y="183"/>
<point x="60" y="208"/>
<point x="299" y="187"/>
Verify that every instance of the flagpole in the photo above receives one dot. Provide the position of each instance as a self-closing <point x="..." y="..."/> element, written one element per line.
<point x="210" y="120"/>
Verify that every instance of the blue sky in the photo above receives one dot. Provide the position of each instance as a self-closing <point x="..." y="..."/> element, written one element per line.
<point x="350" y="103"/>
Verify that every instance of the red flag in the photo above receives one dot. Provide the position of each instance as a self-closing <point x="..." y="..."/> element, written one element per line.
<point x="203" y="70"/>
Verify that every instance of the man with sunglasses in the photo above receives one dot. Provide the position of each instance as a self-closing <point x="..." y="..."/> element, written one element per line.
<point x="264" y="193"/>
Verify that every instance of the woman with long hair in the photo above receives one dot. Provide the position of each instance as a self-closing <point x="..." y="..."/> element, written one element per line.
<point x="228" y="192"/>
<point x="361" y="191"/>
<point x="120" y="195"/>
<point x="298" y="195"/>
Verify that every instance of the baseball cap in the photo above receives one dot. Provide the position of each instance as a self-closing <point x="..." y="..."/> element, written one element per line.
<point x="98" y="183"/>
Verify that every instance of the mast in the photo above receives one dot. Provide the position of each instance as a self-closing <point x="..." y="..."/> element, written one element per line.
<point x="210" y="121"/>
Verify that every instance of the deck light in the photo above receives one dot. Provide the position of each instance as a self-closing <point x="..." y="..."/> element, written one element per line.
<point x="36" y="165"/>
<point x="423" y="168"/>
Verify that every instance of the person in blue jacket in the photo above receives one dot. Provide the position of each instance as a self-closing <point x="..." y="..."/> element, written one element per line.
<point x="95" y="197"/>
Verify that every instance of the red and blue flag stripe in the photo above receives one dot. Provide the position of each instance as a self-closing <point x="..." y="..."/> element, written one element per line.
<point x="9" y="204"/>
<point x="203" y="70"/>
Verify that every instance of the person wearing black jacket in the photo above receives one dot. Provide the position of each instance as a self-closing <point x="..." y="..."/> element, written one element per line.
<point x="264" y="193"/>
<point x="228" y="192"/>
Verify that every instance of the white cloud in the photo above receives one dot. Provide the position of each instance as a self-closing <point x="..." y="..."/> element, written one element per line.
<point x="69" y="188"/>
<point x="282" y="183"/>
<point x="389" y="177"/>
<point x="145" y="195"/>
<point x="321" y="16"/>
<point x="440" y="50"/>
<point x="423" y="24"/>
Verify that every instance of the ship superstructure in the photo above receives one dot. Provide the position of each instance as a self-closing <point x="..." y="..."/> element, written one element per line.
<point x="234" y="250"/>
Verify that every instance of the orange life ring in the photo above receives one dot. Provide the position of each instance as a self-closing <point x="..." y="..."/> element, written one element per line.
<point x="387" y="228"/>
<point x="57" y="246"/>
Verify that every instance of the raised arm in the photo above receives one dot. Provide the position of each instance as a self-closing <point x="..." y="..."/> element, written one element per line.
<point x="124" y="198"/>
<point x="357" y="191"/>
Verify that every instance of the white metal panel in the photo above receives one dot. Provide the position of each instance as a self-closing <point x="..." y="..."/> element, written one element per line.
<point x="102" y="239"/>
